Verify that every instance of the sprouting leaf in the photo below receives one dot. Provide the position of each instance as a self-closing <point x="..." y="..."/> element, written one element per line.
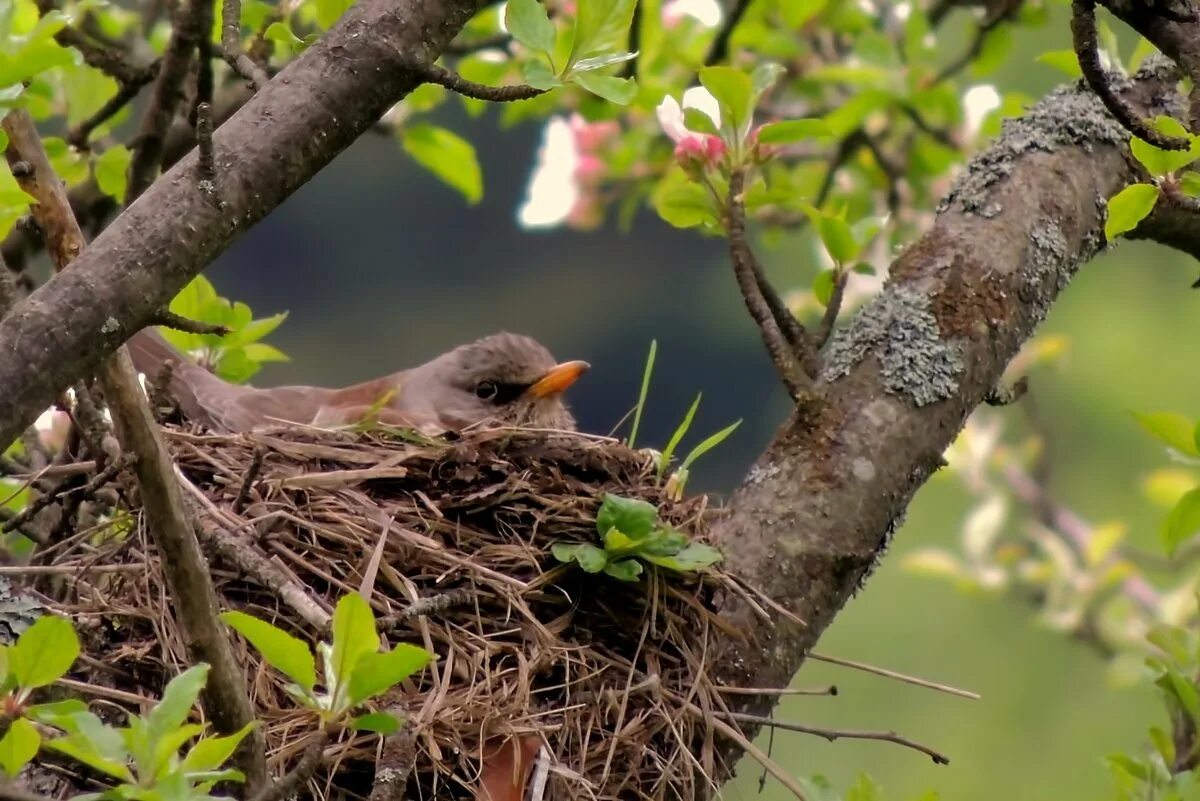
<point x="636" y="518"/>
<point x="1174" y="429"/>
<point x="353" y="636"/>
<point x="1183" y="520"/>
<point x="211" y="753"/>
<point x="695" y="556"/>
<point x="665" y="458"/>
<point x="529" y="23"/>
<point x="733" y="91"/>
<point x="1160" y="162"/>
<point x="44" y="653"/>
<point x="18" y="746"/>
<point x="624" y="569"/>
<point x="589" y="557"/>
<point x="111" y="169"/>
<point x="1129" y="207"/>
<point x="378" y="722"/>
<point x="708" y="444"/>
<point x="782" y="133"/>
<point x="823" y="286"/>
<point x="287" y="654"/>
<point x="375" y="673"/>
<point x="613" y="89"/>
<point x="253" y="330"/>
<point x="662" y="542"/>
<point x="448" y="156"/>
<point x="260" y="352"/>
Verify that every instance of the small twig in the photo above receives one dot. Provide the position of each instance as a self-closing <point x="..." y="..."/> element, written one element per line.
<point x="500" y="41"/>
<point x="836" y="734"/>
<point x="169" y="319"/>
<point x="428" y="606"/>
<point x="891" y="674"/>
<point x="66" y="570"/>
<point x="313" y="755"/>
<point x="792" y="366"/>
<point x="256" y="463"/>
<point x="42" y="501"/>
<point x="1084" y="38"/>
<point x="1001" y="395"/>
<point x="720" y="46"/>
<point x="973" y="50"/>
<point x="432" y="73"/>
<point x="231" y="46"/>
<point x="206" y="166"/>
<point x="831" y="690"/>
<point x="88" y="418"/>
<point x="832" y="309"/>
<point x="395" y="763"/>
<point x="126" y="92"/>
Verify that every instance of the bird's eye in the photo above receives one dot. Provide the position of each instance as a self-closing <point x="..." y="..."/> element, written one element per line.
<point x="485" y="390"/>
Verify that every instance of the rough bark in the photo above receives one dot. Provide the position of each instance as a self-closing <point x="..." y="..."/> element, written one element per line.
<point x="818" y="508"/>
<point x="317" y="106"/>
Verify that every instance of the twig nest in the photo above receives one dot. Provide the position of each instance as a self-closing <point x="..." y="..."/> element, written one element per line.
<point x="450" y="542"/>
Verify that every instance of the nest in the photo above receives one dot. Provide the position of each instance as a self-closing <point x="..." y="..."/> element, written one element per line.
<point x="451" y="541"/>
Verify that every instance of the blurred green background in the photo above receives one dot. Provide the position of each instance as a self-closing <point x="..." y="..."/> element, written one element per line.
<point x="382" y="267"/>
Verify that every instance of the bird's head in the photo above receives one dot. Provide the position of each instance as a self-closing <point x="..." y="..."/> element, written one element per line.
<point x="505" y="377"/>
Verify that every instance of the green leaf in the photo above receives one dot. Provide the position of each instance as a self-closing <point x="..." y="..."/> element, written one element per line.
<point x="598" y="25"/>
<point x="764" y="76"/>
<point x="864" y="789"/>
<point x="1183" y="520"/>
<point x="1129" y="207"/>
<point x="1189" y="183"/>
<point x="613" y="89"/>
<point x="236" y="366"/>
<point x="353" y="636"/>
<point x="624" y="569"/>
<point x="260" y="353"/>
<point x="696" y="556"/>
<point x="378" y="722"/>
<point x="254" y="330"/>
<point x="529" y="23"/>
<point x="634" y="517"/>
<point x="780" y="133"/>
<point x="328" y="11"/>
<point x="375" y="673"/>
<point x="684" y="205"/>
<point x="50" y="713"/>
<point x="211" y="753"/>
<point x="194" y="300"/>
<point x="19" y="745"/>
<point x="617" y="541"/>
<point x="1182" y="691"/>
<point x="289" y="655"/>
<point x="1064" y="61"/>
<point x="589" y="64"/>
<point x="823" y="286"/>
<point x="708" y="444"/>
<point x="111" y="169"/>
<point x="539" y="76"/>
<point x="44" y="653"/>
<point x="665" y="458"/>
<point x="448" y="156"/>
<point x="80" y="751"/>
<point x="589" y="557"/>
<point x="696" y="120"/>
<point x="647" y="371"/>
<point x="734" y="93"/>
<point x="1164" y="744"/>
<point x="1159" y="162"/>
<point x="178" y="698"/>
<point x="1171" y="428"/>
<point x="662" y="542"/>
<point x="3" y="140"/>
<point x="838" y="239"/>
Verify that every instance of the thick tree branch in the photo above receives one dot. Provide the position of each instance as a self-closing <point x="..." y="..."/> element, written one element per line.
<point x="819" y="507"/>
<point x="335" y="91"/>
<point x="188" y="577"/>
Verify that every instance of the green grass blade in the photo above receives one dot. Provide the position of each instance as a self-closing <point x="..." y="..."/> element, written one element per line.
<point x="637" y="414"/>
<point x="708" y="444"/>
<point x="665" y="459"/>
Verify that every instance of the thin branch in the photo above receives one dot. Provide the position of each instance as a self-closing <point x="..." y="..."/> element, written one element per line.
<point x="169" y="319"/>
<point x="187" y="573"/>
<point x="313" y="755"/>
<point x="231" y="46"/>
<point x="837" y="734"/>
<point x="395" y="764"/>
<point x="1084" y="38"/>
<point x="500" y="41"/>
<point x="832" y="309"/>
<point x="974" y="49"/>
<point x="432" y="73"/>
<point x="78" y="136"/>
<point x="789" y="363"/>
<point x="720" y="46"/>
<point x="252" y="472"/>
<point x="831" y="690"/>
<point x="206" y="165"/>
<point x="892" y="674"/>
<point x="167" y="95"/>
<point x="42" y="501"/>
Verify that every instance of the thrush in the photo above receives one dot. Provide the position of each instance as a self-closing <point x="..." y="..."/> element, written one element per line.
<point x="504" y="378"/>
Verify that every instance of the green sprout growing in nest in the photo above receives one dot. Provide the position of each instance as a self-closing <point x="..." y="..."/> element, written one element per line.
<point x="632" y="533"/>
<point x="355" y="670"/>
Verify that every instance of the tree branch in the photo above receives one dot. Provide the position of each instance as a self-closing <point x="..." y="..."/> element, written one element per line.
<point x="432" y="73"/>
<point x="188" y="577"/>
<point x="231" y="46"/>
<point x="819" y="507"/>
<point x="338" y="88"/>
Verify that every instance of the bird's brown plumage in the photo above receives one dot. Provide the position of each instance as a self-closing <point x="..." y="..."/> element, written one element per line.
<point x="505" y="378"/>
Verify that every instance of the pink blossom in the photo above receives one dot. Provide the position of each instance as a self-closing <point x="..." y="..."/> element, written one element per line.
<point x="692" y="149"/>
<point x="591" y="137"/>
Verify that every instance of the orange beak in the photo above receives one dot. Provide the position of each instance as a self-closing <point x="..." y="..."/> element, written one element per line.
<point x="557" y="379"/>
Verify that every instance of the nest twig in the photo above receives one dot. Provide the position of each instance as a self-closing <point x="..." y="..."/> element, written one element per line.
<point x="450" y="542"/>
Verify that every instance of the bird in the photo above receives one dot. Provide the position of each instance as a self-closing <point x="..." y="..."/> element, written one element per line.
<point x="504" y="378"/>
